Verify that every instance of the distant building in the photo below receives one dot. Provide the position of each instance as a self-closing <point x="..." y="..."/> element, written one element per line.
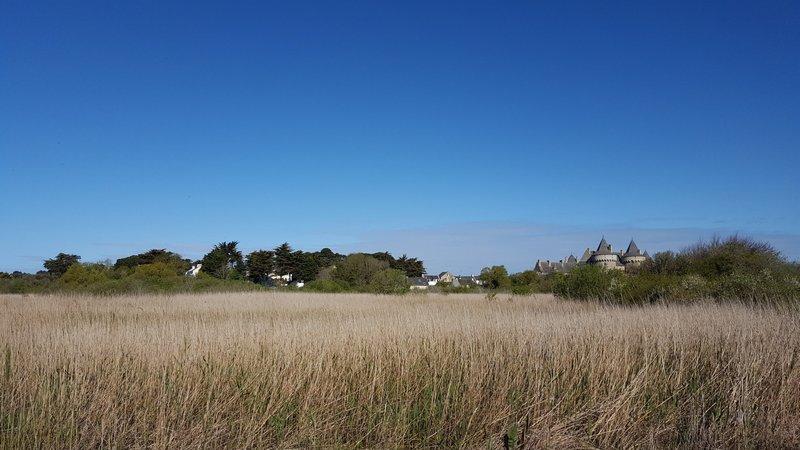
<point x="446" y="277"/>
<point x="418" y="283"/>
<point x="562" y="266"/>
<point x="280" y="280"/>
<point x="466" y="281"/>
<point x="433" y="280"/>
<point x="604" y="256"/>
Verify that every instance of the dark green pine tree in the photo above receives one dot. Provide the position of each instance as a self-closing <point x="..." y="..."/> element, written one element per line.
<point x="259" y="265"/>
<point x="284" y="259"/>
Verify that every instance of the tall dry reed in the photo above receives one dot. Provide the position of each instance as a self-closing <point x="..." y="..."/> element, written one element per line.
<point x="244" y="370"/>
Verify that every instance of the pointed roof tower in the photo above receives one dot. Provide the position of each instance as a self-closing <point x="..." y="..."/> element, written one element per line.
<point x="604" y="248"/>
<point x="586" y="255"/>
<point x="633" y="250"/>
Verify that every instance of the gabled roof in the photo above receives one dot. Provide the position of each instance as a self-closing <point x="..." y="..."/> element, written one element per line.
<point x="586" y="255"/>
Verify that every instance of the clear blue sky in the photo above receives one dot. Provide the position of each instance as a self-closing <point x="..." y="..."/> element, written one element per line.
<point x="466" y="133"/>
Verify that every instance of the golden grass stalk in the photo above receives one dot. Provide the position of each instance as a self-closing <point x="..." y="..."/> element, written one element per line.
<point x="288" y="370"/>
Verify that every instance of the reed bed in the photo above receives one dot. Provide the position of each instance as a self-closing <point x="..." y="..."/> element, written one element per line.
<point x="350" y="370"/>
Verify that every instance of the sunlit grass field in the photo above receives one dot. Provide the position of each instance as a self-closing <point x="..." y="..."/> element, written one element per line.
<point x="350" y="370"/>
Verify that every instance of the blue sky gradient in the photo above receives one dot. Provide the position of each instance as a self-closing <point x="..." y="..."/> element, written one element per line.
<point x="466" y="134"/>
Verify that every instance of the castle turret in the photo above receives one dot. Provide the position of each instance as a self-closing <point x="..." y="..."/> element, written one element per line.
<point x="604" y="256"/>
<point x="633" y="255"/>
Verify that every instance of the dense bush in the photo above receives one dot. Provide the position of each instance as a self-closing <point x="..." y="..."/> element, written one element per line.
<point x="23" y="283"/>
<point x="588" y="282"/>
<point x="389" y="281"/>
<point x="159" y="277"/>
<point x="329" y="286"/>
<point x="495" y="277"/>
<point x="357" y="270"/>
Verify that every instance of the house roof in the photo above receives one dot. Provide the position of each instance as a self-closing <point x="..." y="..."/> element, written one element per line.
<point x="418" y="281"/>
<point x="466" y="280"/>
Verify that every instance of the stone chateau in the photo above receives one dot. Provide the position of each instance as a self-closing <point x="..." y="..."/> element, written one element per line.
<point x="604" y="256"/>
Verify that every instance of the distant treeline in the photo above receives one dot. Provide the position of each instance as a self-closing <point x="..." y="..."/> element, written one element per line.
<point x="732" y="268"/>
<point x="224" y="268"/>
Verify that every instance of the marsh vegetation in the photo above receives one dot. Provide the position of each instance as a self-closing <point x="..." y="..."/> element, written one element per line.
<point x="362" y="370"/>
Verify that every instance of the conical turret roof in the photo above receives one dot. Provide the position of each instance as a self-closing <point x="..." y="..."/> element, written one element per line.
<point x="603" y="249"/>
<point x="633" y="250"/>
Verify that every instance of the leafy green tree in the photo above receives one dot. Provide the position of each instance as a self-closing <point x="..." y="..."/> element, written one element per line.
<point x="389" y="281"/>
<point x="284" y="259"/>
<point x="356" y="270"/>
<point x="179" y="264"/>
<point x="58" y="266"/>
<point x="259" y="265"/>
<point x="526" y="278"/>
<point x="224" y="261"/>
<point x="327" y="257"/>
<point x="495" y="277"/>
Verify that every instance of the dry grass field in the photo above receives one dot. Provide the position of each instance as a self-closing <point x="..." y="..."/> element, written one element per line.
<point x="291" y="370"/>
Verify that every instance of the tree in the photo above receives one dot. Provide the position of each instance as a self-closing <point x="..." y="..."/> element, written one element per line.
<point x="495" y="277"/>
<point x="224" y="261"/>
<point x="411" y="266"/>
<point x="284" y="259"/>
<point x="389" y="281"/>
<point x="327" y="257"/>
<point x="174" y="260"/>
<point x="58" y="266"/>
<point x="259" y="265"/>
<point x="356" y="270"/>
<point x="306" y="266"/>
<point x="526" y="278"/>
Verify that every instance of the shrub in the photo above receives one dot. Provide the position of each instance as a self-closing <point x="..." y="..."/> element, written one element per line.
<point x="389" y="281"/>
<point x="329" y="286"/>
<point x="79" y="275"/>
<point x="357" y="270"/>
<point x="586" y="282"/>
<point x="691" y="287"/>
<point x="522" y="289"/>
<point x="495" y="277"/>
<point x="641" y="288"/>
<point x="525" y="283"/>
